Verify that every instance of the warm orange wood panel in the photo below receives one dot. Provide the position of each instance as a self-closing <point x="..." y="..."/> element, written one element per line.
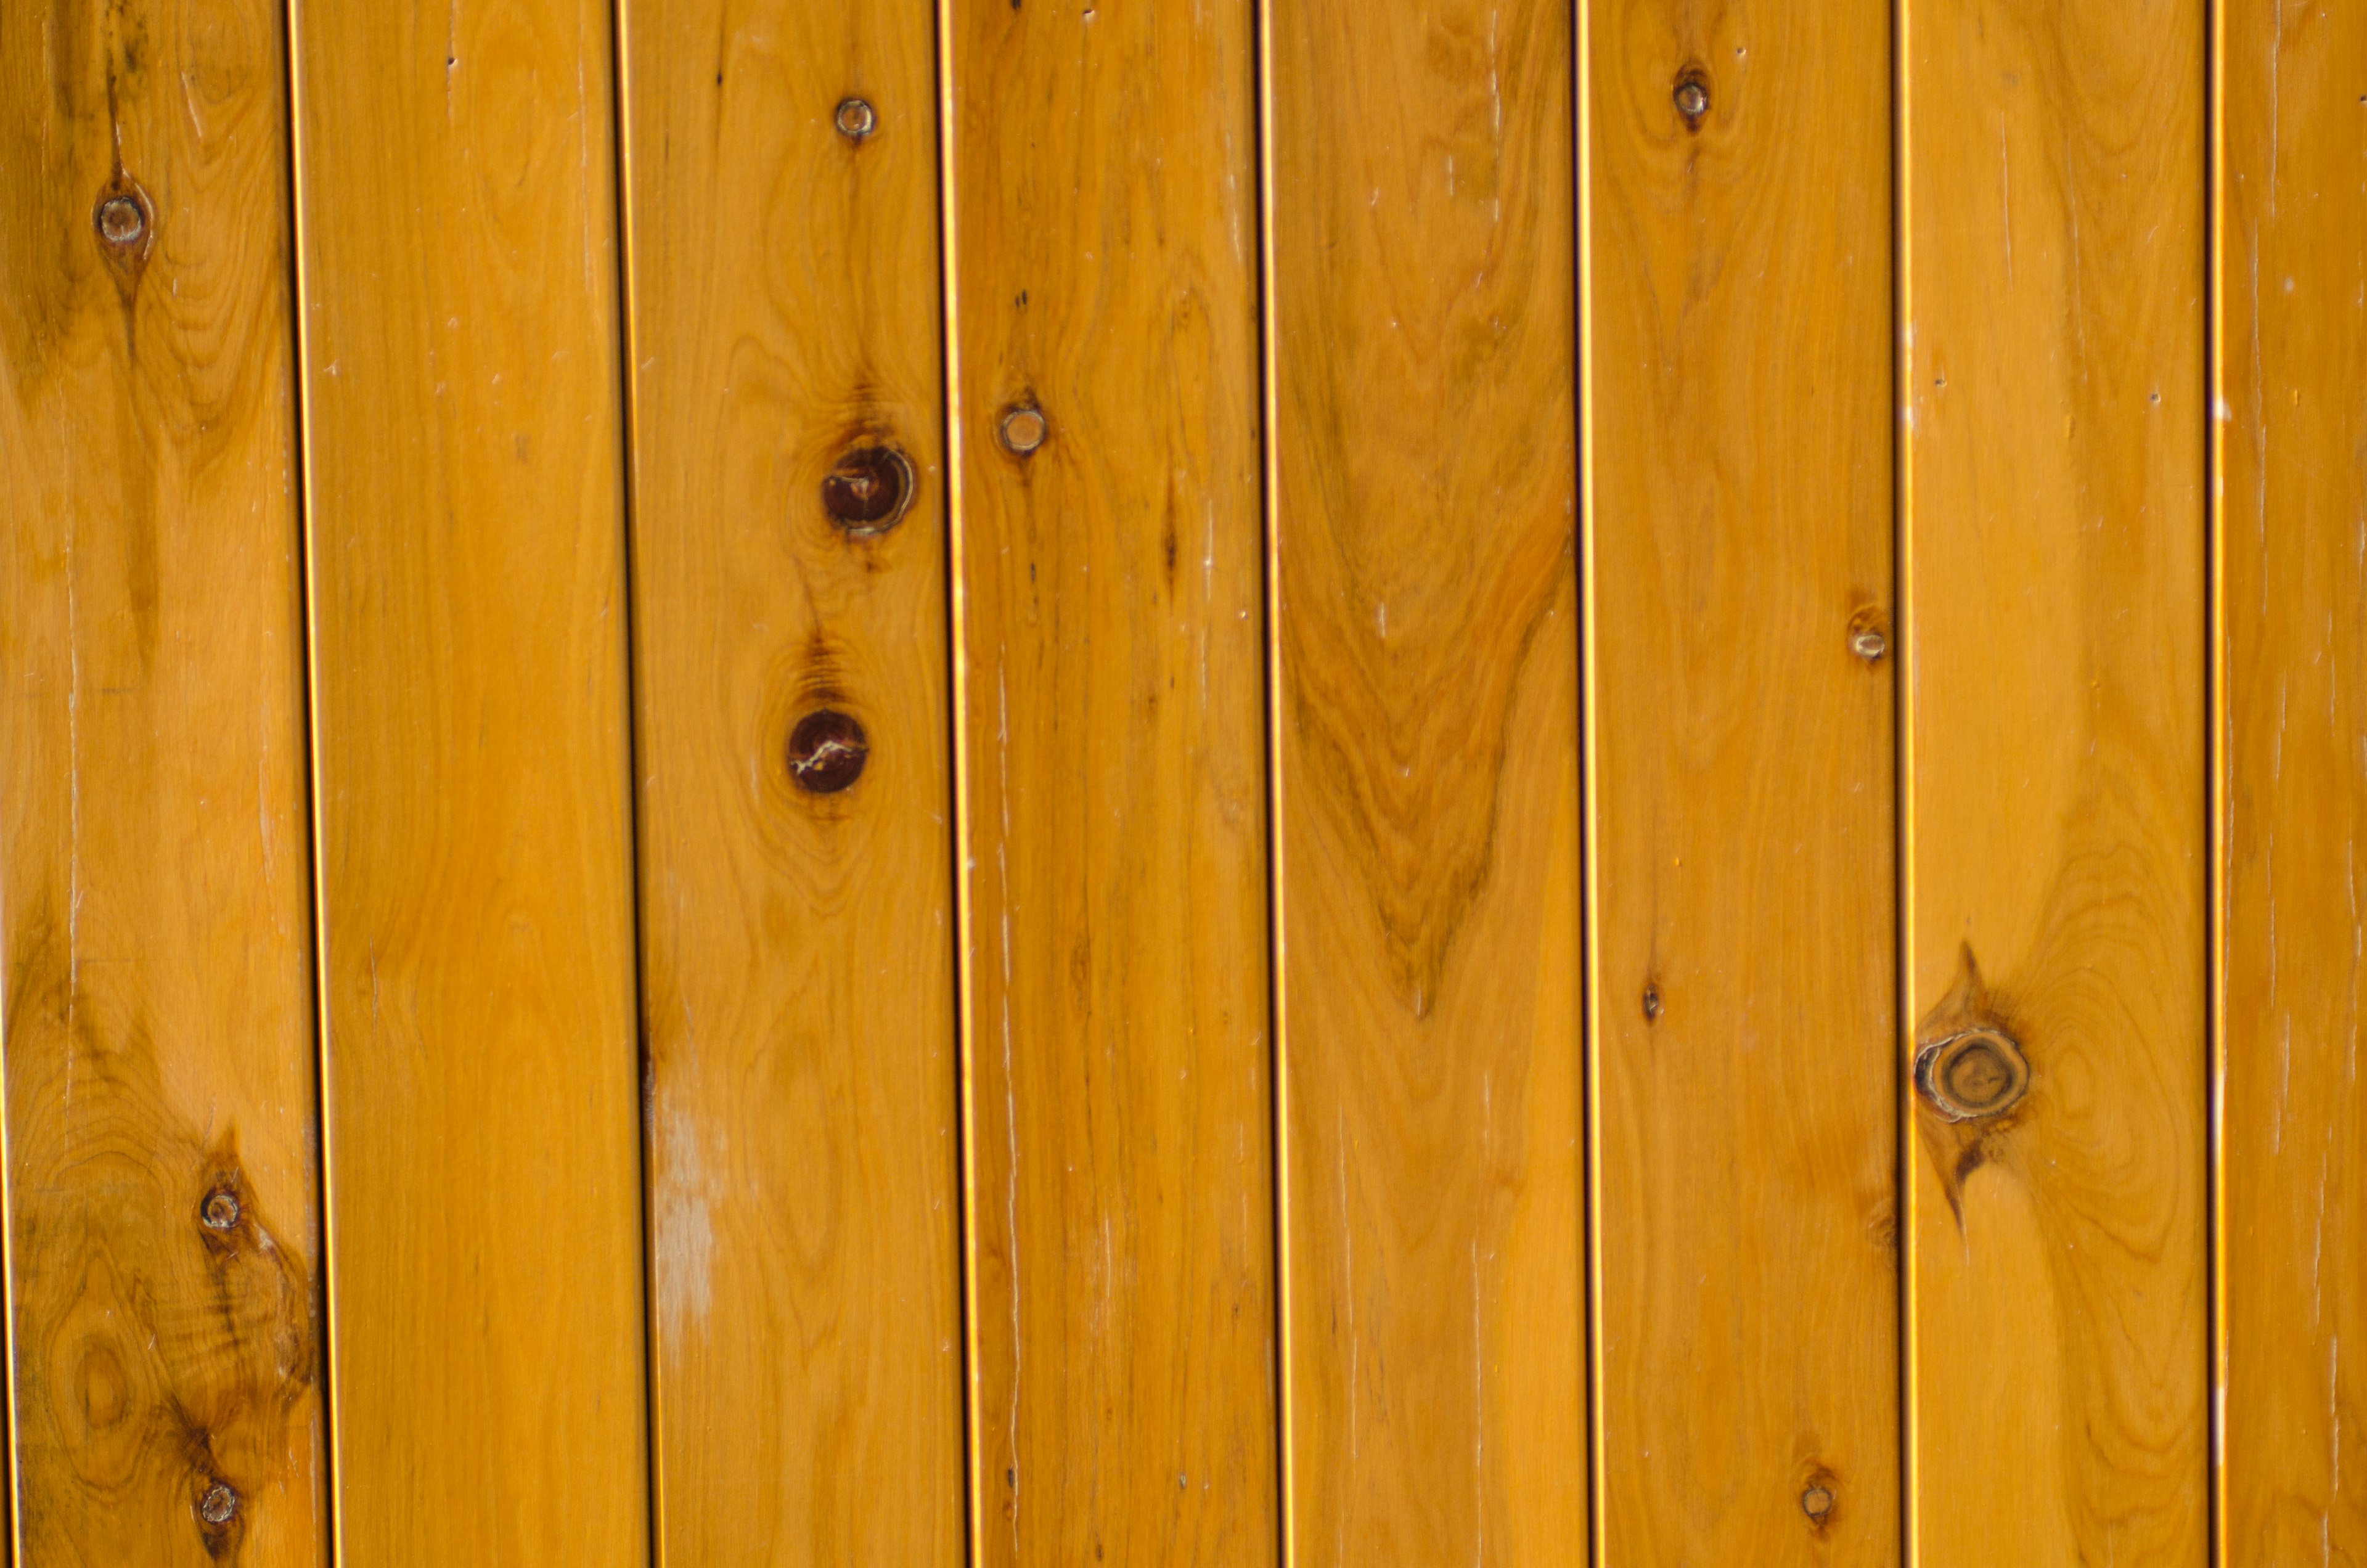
<point x="1423" y="341"/>
<point x="798" y="942"/>
<point x="2056" y="547"/>
<point x="2293" y="373"/>
<point x="153" y="854"/>
<point x="1102" y="161"/>
<point x="1744" y="957"/>
<point x="458" y="290"/>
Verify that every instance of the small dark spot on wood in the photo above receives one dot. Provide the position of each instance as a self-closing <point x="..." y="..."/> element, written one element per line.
<point x="1651" y="1001"/>
<point x="1022" y="301"/>
<point x="827" y="752"/>
<point x="1972" y="1074"/>
<point x="869" y="491"/>
<point x="1869" y="634"/>
<point x="125" y="221"/>
<point x="1691" y="95"/>
<point x="220" y="1211"/>
<point x="1167" y="550"/>
<point x="1024" y="429"/>
<point x="220" y="1522"/>
<point x="856" y="120"/>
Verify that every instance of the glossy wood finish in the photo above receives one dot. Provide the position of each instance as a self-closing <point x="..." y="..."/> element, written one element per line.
<point x="1424" y="330"/>
<point x="2291" y="278"/>
<point x="797" y="946"/>
<point x="1103" y="189"/>
<point x="2056" y="618"/>
<point x="1744" y="975"/>
<point x="153" y="852"/>
<point x="455" y="188"/>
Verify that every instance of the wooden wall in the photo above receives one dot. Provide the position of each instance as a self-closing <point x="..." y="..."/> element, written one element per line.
<point x="1031" y="783"/>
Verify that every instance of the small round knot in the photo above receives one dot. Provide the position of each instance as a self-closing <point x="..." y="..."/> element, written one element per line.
<point x="869" y="491"/>
<point x="827" y="751"/>
<point x="856" y="120"/>
<point x="1816" y="1501"/>
<point x="1024" y="428"/>
<point x="1691" y="97"/>
<point x="1976" y="1074"/>
<point x="1868" y="644"/>
<point x="220" y="1211"/>
<point x="219" y="1506"/>
<point x="121" y="220"/>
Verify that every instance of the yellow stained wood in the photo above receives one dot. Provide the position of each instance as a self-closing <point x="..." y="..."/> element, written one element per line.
<point x="1102" y="158"/>
<point x="2056" y="613"/>
<point x="2292" y="276"/>
<point x="1744" y="968"/>
<point x="455" y="201"/>
<point x="1423" y="341"/>
<point x="797" y="946"/>
<point x="154" y="857"/>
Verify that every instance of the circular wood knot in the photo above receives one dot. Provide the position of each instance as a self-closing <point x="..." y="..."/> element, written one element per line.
<point x="1976" y="1074"/>
<point x="1691" y="96"/>
<point x="856" y="120"/>
<point x="1024" y="429"/>
<point x="220" y="1211"/>
<point x="122" y="220"/>
<point x="1816" y="1501"/>
<point x="827" y="751"/>
<point x="219" y="1506"/>
<point x="869" y="491"/>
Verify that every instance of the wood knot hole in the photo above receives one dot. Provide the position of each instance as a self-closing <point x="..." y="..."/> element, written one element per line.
<point x="220" y="1211"/>
<point x="1691" y="96"/>
<point x="1816" y="1501"/>
<point x="1979" y="1073"/>
<point x="856" y="120"/>
<point x="122" y="219"/>
<point x="1651" y="1001"/>
<point x="869" y="491"/>
<point x="219" y="1506"/>
<point x="1024" y="428"/>
<point x="827" y="751"/>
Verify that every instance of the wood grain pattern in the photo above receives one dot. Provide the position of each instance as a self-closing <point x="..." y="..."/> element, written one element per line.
<point x="1744" y="955"/>
<point x="1101" y="159"/>
<point x="797" y="947"/>
<point x="2293" y="297"/>
<point x="455" y="201"/>
<point x="2056" y="611"/>
<point x="152" y="852"/>
<point x="1424" y="324"/>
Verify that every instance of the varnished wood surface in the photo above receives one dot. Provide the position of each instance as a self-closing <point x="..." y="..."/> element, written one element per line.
<point x="1744" y="975"/>
<point x="457" y="292"/>
<point x="2291" y="279"/>
<point x="1103" y="189"/>
<point x="1423" y="332"/>
<point x="2057" y="616"/>
<point x="153" y="856"/>
<point x="804" y="1177"/>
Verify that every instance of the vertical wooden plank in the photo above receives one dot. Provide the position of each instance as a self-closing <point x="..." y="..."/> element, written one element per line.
<point x="456" y="205"/>
<point x="1738" y="243"/>
<point x="1424" y="342"/>
<point x="162" y="1192"/>
<point x="2056" y="617"/>
<point x="2293" y="297"/>
<point x="798" y="939"/>
<point x="1102" y="159"/>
